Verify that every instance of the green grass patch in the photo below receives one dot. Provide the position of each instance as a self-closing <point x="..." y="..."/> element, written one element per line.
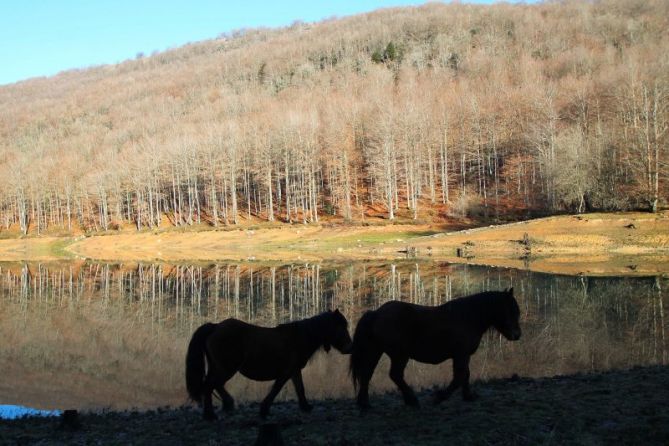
<point x="58" y="248"/>
<point x="372" y="238"/>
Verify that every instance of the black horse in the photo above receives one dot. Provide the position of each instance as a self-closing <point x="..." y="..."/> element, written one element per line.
<point x="259" y="353"/>
<point x="431" y="335"/>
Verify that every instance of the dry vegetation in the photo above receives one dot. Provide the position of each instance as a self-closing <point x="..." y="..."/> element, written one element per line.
<point x="488" y="111"/>
<point x="591" y="244"/>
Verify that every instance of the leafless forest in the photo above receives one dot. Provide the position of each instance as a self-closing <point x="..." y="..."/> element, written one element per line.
<point x="413" y="113"/>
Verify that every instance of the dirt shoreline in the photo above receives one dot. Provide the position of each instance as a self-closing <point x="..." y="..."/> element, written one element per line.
<point x="613" y="407"/>
<point x="589" y="244"/>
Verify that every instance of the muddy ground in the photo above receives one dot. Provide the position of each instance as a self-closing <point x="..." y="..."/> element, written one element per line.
<point x="616" y="407"/>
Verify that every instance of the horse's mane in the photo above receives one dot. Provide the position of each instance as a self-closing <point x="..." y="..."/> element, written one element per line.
<point x="479" y="305"/>
<point x="310" y="328"/>
<point x="484" y="297"/>
<point x="310" y="322"/>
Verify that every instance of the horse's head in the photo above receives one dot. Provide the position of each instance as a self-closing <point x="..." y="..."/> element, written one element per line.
<point x="337" y="333"/>
<point x="507" y="316"/>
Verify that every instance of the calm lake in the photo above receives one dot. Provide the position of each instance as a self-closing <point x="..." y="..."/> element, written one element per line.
<point x="96" y="335"/>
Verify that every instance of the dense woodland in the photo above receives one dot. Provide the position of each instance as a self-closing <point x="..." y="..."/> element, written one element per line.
<point x="415" y="113"/>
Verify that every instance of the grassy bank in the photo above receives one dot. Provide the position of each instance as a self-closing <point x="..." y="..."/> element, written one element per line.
<point x="616" y="407"/>
<point x="592" y="244"/>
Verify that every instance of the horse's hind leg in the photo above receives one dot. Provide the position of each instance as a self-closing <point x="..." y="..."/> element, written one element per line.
<point x="367" y="371"/>
<point x="226" y="398"/>
<point x="397" y="366"/>
<point x="223" y="376"/>
<point x="215" y="379"/>
<point x="299" y="389"/>
<point x="207" y="390"/>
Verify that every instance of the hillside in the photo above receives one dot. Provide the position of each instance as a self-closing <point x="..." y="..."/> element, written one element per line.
<point x="418" y="114"/>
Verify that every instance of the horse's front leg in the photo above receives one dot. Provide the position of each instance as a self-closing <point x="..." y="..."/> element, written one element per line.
<point x="276" y="388"/>
<point x="397" y="366"/>
<point x="299" y="389"/>
<point x="467" y="393"/>
<point x="460" y="379"/>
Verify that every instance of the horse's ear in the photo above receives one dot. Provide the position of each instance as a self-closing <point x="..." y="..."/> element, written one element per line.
<point x="326" y="347"/>
<point x="337" y="311"/>
<point x="510" y="291"/>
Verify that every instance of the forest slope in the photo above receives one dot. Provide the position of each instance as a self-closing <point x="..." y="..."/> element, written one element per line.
<point x="423" y="113"/>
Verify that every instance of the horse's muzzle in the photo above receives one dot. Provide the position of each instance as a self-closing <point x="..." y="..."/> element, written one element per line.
<point x="515" y="335"/>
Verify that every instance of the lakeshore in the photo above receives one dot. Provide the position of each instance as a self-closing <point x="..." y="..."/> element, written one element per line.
<point x="612" y="407"/>
<point x="587" y="244"/>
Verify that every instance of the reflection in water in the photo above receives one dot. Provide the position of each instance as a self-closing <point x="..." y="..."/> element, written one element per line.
<point x="91" y="335"/>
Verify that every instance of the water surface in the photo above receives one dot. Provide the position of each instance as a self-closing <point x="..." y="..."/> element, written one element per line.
<point x="96" y="335"/>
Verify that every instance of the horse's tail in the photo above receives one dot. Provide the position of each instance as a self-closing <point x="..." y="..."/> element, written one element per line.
<point x="363" y="346"/>
<point x="195" y="361"/>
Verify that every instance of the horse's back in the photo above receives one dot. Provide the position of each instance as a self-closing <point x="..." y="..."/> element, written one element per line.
<point x="227" y="337"/>
<point x="234" y="330"/>
<point x="404" y="313"/>
<point x="257" y="352"/>
<point x="425" y="333"/>
<point x="397" y="308"/>
<point x="401" y="322"/>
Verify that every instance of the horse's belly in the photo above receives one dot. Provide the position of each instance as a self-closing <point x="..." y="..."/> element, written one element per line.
<point x="257" y="375"/>
<point x="431" y="357"/>
<point x="259" y="372"/>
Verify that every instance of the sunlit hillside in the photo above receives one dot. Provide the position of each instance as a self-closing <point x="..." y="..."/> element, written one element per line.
<point x="413" y="113"/>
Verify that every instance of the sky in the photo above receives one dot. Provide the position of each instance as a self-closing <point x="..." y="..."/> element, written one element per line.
<point x="44" y="37"/>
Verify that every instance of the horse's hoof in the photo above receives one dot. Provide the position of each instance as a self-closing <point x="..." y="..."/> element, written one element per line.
<point x="440" y="396"/>
<point x="469" y="397"/>
<point x="411" y="401"/>
<point x="306" y="407"/>
<point x="209" y="416"/>
<point x="364" y="407"/>
<point x="229" y="407"/>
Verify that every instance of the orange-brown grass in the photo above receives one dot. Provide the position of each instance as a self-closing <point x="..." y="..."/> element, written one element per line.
<point x="594" y="244"/>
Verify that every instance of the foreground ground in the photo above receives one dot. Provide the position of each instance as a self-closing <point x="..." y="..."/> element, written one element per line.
<point x="618" y="407"/>
<point x="592" y="244"/>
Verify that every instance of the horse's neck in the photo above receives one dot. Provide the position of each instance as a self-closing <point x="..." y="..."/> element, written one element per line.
<point x="308" y="335"/>
<point x="488" y="307"/>
<point x="478" y="311"/>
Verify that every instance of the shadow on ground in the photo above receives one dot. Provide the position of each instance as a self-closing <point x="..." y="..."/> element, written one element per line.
<point x="617" y="407"/>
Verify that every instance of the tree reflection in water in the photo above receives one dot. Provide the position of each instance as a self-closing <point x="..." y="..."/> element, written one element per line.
<point x="92" y="335"/>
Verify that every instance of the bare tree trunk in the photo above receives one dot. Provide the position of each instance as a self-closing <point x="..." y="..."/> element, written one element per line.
<point x="233" y="194"/>
<point x="287" y="175"/>
<point x="270" y="203"/>
<point x="444" y="166"/>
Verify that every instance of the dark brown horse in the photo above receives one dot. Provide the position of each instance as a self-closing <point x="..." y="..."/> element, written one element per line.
<point x="259" y="353"/>
<point x="431" y="335"/>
